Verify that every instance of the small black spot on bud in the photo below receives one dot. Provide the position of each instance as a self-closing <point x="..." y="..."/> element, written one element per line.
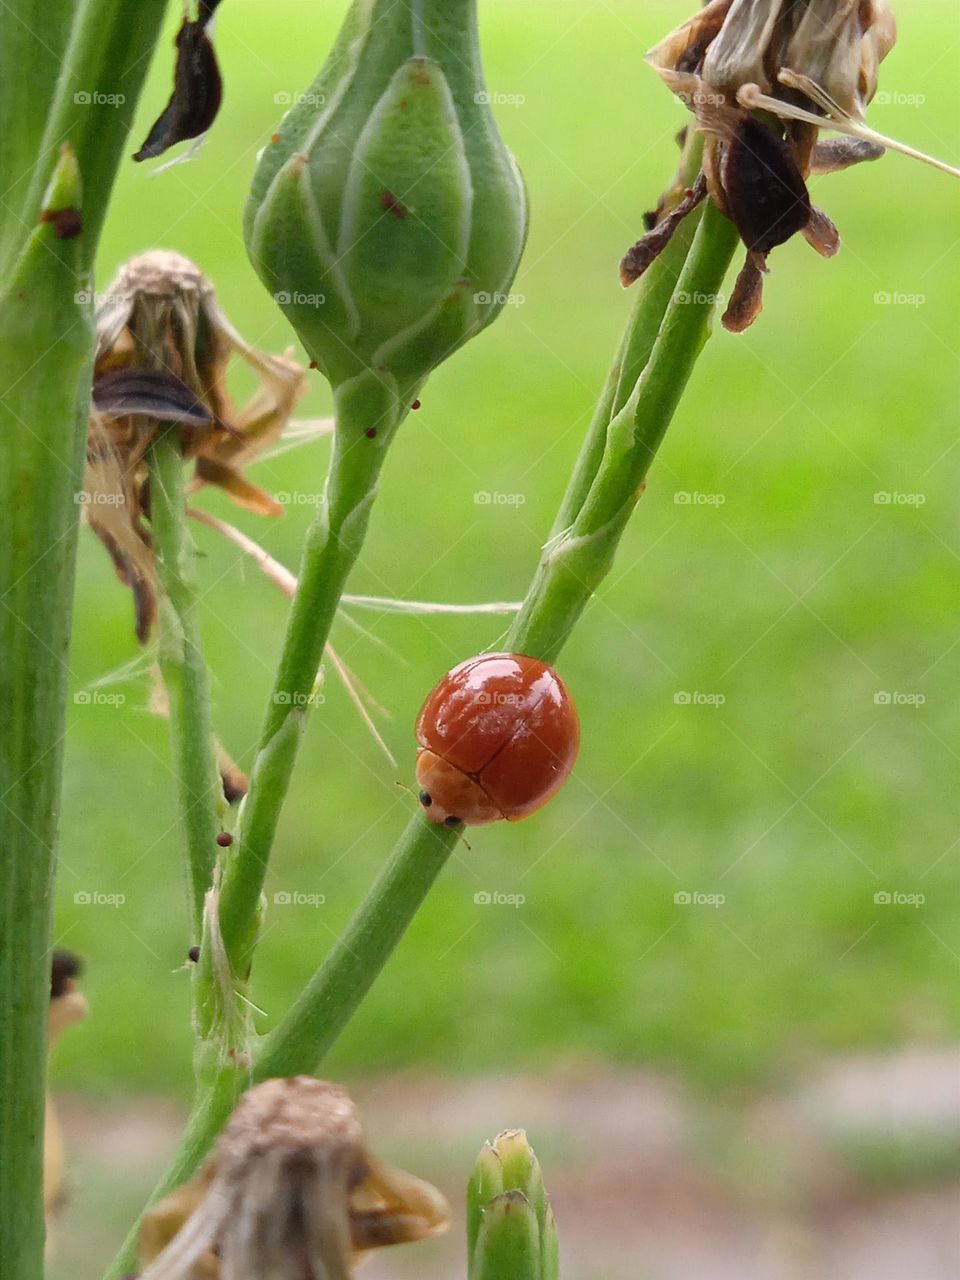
<point x="415" y="405"/>
<point x="67" y="223"/>
<point x="371" y="433"/>
<point x="390" y="204"/>
<point x="194" y="954"/>
<point x="224" y="839"/>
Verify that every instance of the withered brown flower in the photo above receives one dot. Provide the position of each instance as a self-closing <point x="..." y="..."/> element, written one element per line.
<point x="763" y="79"/>
<point x="163" y="347"/>
<point x="291" y="1193"/>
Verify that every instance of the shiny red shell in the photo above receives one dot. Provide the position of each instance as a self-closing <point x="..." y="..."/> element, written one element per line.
<point x="498" y="737"/>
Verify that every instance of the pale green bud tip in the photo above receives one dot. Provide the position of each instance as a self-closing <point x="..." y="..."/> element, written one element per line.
<point x="511" y="1231"/>
<point x="387" y="217"/>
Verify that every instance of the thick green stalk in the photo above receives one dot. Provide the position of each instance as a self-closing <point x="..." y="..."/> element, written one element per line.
<point x="45" y="352"/>
<point x="46" y="349"/>
<point x="184" y="670"/>
<point x="368" y="412"/>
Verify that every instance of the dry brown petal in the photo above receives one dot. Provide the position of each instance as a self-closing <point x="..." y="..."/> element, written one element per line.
<point x="649" y="247"/>
<point x="746" y="301"/>
<point x="822" y="234"/>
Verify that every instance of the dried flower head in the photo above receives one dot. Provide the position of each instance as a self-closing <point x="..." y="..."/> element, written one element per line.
<point x="291" y="1193"/>
<point x="163" y="347"/>
<point x="763" y="79"/>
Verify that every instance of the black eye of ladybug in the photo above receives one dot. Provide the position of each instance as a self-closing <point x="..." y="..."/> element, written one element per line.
<point x="426" y="799"/>
<point x="451" y="821"/>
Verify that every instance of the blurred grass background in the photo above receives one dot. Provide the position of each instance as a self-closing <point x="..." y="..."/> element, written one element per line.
<point x="798" y="599"/>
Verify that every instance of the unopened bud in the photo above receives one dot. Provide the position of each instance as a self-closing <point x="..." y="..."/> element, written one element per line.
<point x="387" y="218"/>
<point x="511" y="1230"/>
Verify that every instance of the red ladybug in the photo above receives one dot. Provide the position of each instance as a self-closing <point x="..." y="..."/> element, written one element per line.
<point x="497" y="736"/>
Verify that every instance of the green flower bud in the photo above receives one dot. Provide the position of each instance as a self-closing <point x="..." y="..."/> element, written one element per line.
<point x="511" y="1230"/>
<point x="387" y="216"/>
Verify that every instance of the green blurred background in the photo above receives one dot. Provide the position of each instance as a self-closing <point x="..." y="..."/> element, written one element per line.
<point x="792" y="595"/>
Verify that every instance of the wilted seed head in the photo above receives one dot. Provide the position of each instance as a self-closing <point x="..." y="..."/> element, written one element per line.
<point x="292" y="1193"/>
<point x="163" y="347"/>
<point x="839" y="44"/>
<point x="764" y="78"/>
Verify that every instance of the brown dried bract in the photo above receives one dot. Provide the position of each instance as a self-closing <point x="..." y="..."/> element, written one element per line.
<point x="197" y="88"/>
<point x="649" y="247"/>
<point x="292" y="1193"/>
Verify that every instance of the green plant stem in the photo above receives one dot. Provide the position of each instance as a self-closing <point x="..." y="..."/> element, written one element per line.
<point x="333" y="544"/>
<point x="207" y="1118"/>
<point x="560" y="590"/>
<point x="332" y="996"/>
<point x="184" y="669"/>
<point x="652" y="294"/>
<point x="577" y="559"/>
